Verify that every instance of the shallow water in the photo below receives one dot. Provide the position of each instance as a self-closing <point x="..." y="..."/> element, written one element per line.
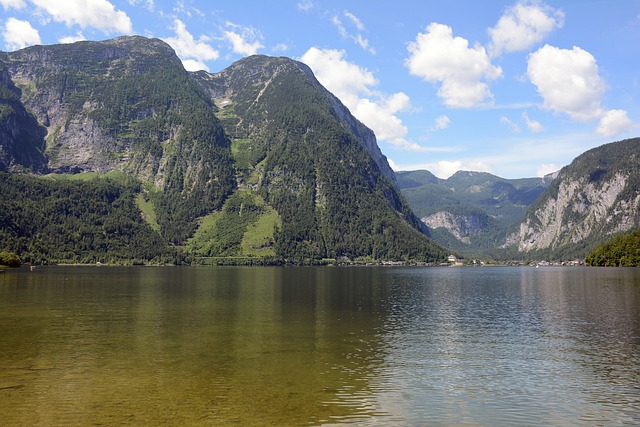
<point x="308" y="346"/>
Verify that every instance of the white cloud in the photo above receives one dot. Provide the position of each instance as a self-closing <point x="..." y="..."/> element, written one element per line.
<point x="506" y="121"/>
<point x="12" y="4"/>
<point x="438" y="57"/>
<point x="614" y="122"/>
<point x="547" y="168"/>
<point x="280" y="47"/>
<point x="99" y="14"/>
<point x="355" y="20"/>
<point x="522" y="26"/>
<point x="445" y="168"/>
<point x="568" y="81"/>
<point x="533" y="125"/>
<point x="194" y="65"/>
<point x="305" y="5"/>
<point x="192" y="52"/>
<point x="360" y="27"/>
<point x="149" y="4"/>
<point x="441" y="122"/>
<point x="244" y="40"/>
<point x="393" y="165"/>
<point x="72" y="39"/>
<point x="354" y="86"/>
<point x="18" y="34"/>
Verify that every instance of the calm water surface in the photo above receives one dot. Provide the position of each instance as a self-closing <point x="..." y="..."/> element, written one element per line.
<point x="310" y="346"/>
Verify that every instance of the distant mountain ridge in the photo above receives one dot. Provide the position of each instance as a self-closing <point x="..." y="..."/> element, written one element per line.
<point x="257" y="161"/>
<point x="470" y="211"/>
<point x="561" y="216"/>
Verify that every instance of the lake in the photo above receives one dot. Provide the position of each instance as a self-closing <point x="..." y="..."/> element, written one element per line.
<point x="487" y="346"/>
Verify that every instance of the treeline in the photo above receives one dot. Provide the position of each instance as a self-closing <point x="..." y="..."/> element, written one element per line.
<point x="620" y="251"/>
<point x="9" y="259"/>
<point x="62" y="221"/>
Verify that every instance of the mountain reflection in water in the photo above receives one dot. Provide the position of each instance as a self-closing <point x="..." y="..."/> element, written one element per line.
<point x="292" y="346"/>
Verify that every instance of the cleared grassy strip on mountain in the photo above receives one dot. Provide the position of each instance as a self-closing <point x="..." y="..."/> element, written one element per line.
<point x="244" y="227"/>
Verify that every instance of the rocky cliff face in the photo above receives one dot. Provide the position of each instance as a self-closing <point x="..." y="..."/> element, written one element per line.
<point x="596" y="196"/>
<point x="462" y="226"/>
<point x="125" y="105"/>
<point x="120" y="104"/>
<point x="260" y="153"/>
<point x="21" y="137"/>
<point x="470" y="211"/>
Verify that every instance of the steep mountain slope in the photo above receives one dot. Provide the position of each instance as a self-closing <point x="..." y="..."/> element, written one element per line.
<point x="21" y="137"/>
<point x="470" y="211"/>
<point x="125" y="104"/>
<point x="298" y="148"/>
<point x="596" y="196"/>
<point x="278" y="170"/>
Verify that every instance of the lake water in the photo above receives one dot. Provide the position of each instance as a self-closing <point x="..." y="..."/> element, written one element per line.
<point x="488" y="346"/>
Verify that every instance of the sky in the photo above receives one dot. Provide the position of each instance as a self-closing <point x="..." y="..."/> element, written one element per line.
<point x="514" y="88"/>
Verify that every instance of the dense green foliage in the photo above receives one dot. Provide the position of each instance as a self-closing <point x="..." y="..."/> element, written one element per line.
<point x="154" y="121"/>
<point x="9" y="259"/>
<point x="64" y="221"/>
<point x="332" y="198"/>
<point x="298" y="184"/>
<point x="224" y="237"/>
<point x="619" y="251"/>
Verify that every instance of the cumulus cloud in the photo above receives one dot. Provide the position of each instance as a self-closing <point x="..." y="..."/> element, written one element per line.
<point x="438" y="57"/>
<point x="393" y="165"/>
<point x="547" y="168"/>
<point x="614" y="122"/>
<point x="445" y="168"/>
<point x="354" y="86"/>
<point x="358" y="38"/>
<point x="244" y="40"/>
<point x="441" y="122"/>
<point x="18" y="34"/>
<point x="533" y="125"/>
<point x="568" y="81"/>
<point x="192" y="52"/>
<point x="12" y="4"/>
<point x="522" y="26"/>
<point x="72" y="39"/>
<point x="99" y="14"/>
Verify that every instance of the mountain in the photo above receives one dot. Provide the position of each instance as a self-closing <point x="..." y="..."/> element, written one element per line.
<point x="299" y="151"/>
<point x="257" y="161"/>
<point x="125" y="104"/>
<point x="592" y="199"/>
<point x="470" y="212"/>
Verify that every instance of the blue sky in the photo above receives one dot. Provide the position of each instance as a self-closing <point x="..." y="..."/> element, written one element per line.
<point x="515" y="88"/>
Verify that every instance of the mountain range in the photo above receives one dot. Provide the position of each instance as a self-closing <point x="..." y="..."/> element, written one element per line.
<point x="560" y="216"/>
<point x="257" y="162"/>
<point x="112" y="152"/>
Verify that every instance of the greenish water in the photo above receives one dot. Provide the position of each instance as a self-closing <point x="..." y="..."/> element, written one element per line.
<point x="310" y="346"/>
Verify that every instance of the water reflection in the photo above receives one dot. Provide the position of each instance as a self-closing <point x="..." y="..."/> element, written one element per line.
<point x="292" y="346"/>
